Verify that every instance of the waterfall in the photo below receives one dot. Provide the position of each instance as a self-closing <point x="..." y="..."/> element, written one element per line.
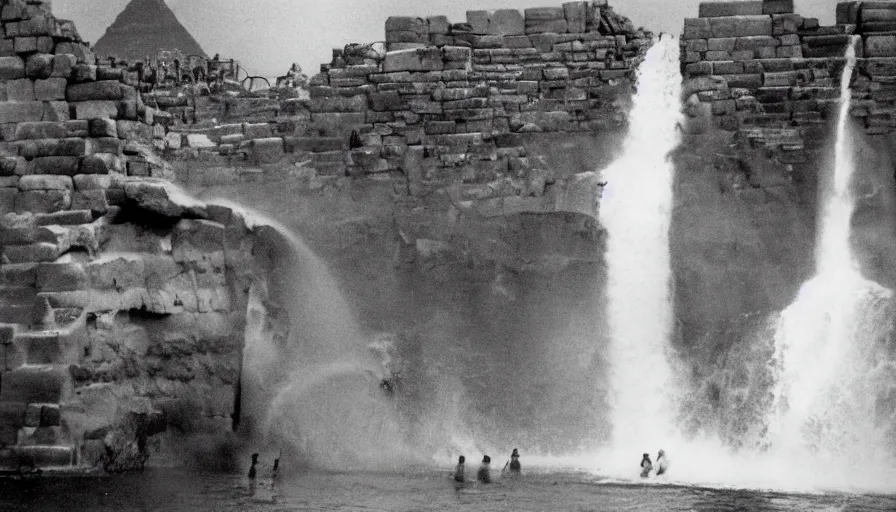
<point x="636" y="210"/>
<point x="310" y="380"/>
<point x="825" y="341"/>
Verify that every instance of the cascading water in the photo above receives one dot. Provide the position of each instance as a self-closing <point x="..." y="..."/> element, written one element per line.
<point x="825" y="341"/>
<point x="310" y="381"/>
<point x="636" y="210"/>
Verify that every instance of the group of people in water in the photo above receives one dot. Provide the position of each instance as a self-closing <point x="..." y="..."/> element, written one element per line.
<point x="662" y="464"/>
<point x="253" y="471"/>
<point x="484" y="474"/>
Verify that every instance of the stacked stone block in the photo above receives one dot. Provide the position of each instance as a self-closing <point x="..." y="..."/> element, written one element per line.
<point x="449" y="98"/>
<point x="447" y="93"/>
<point x="760" y="64"/>
<point x="73" y="138"/>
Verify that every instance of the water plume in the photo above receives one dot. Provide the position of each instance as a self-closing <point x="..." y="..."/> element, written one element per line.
<point x="636" y="210"/>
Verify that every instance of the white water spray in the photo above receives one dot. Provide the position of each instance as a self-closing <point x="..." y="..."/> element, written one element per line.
<point x="823" y="400"/>
<point x="636" y="210"/>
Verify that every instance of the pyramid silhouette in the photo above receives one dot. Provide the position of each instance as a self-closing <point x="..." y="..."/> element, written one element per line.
<point x="144" y="28"/>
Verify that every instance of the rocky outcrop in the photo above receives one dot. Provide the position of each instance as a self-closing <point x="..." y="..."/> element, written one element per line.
<point x="143" y="29"/>
<point x="122" y="299"/>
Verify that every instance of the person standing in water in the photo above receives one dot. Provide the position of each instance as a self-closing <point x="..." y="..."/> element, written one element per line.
<point x="515" y="462"/>
<point x="459" y="469"/>
<point x="646" y="466"/>
<point x="662" y="463"/>
<point x="484" y="474"/>
<point x="252" y="468"/>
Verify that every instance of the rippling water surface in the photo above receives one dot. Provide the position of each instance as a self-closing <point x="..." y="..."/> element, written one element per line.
<point x="174" y="491"/>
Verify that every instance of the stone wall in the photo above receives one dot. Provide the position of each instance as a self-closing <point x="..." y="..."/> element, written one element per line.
<point x="445" y="104"/>
<point x="758" y="63"/>
<point x="122" y="300"/>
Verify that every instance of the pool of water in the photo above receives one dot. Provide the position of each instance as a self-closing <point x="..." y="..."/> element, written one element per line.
<point x="424" y="490"/>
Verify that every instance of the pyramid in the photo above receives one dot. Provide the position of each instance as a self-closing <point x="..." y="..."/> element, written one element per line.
<point x="144" y="28"/>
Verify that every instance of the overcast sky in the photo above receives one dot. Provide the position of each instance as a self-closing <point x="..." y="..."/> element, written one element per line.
<point x="268" y="35"/>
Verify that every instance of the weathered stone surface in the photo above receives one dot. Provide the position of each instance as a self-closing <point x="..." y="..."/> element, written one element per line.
<point x="163" y="198"/>
<point x="697" y="28"/>
<point x="777" y="6"/>
<point x="502" y="22"/>
<point x="32" y="385"/>
<point x="39" y="65"/>
<point x="61" y="276"/>
<point x="23" y="111"/>
<point x="421" y="59"/>
<point x="72" y="146"/>
<point x="45" y="182"/>
<point x="51" y="130"/>
<point x="101" y="90"/>
<point x="880" y="46"/>
<point x="51" y="89"/>
<point x="96" y="109"/>
<point x="576" y="14"/>
<point x="12" y="68"/>
<point x="20" y="90"/>
<point x="43" y="201"/>
<point x="740" y="26"/>
<point x="740" y="8"/>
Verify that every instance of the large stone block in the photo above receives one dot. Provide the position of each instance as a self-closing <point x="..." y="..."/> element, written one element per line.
<point x="102" y="90"/>
<point x="12" y="68"/>
<point x="43" y="201"/>
<point x="39" y="65"/>
<point x="31" y="253"/>
<point x="64" y="165"/>
<point x="722" y="44"/>
<point x="406" y="24"/>
<point x="27" y="111"/>
<point x="20" y="90"/>
<point x="717" y="9"/>
<point x="539" y="14"/>
<point x="552" y="26"/>
<point x="871" y="15"/>
<point x="33" y="385"/>
<point x="51" y="89"/>
<point x="100" y="164"/>
<point x="51" y="130"/>
<point x="752" y="43"/>
<point x="880" y="46"/>
<point x="506" y="22"/>
<point x="740" y="26"/>
<point x="438" y="24"/>
<point x="63" y="65"/>
<point x="697" y="28"/>
<point x="777" y="6"/>
<point x="45" y="182"/>
<point x="419" y="59"/>
<point x="95" y="109"/>
<point x="164" y="199"/>
<point x="61" y="277"/>
<point x="576" y="16"/>
<point x="36" y="148"/>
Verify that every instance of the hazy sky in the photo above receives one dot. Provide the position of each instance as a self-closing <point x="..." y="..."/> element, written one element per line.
<point x="268" y="35"/>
